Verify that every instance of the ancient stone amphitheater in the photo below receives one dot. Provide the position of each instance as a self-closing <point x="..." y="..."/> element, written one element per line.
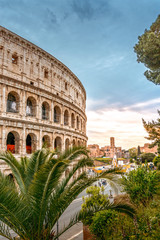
<point x="41" y="100"/>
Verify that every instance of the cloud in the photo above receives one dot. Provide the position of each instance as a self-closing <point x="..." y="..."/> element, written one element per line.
<point x="126" y="126"/>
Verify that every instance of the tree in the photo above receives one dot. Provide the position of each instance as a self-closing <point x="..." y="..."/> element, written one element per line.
<point x="44" y="186"/>
<point x="32" y="205"/>
<point x="147" y="50"/>
<point x="153" y="130"/>
<point x="138" y="151"/>
<point x="156" y="160"/>
<point x="147" y="157"/>
<point x="133" y="152"/>
<point x="141" y="185"/>
<point x="102" y="216"/>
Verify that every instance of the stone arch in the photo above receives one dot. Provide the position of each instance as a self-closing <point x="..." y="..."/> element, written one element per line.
<point x="57" y="114"/>
<point x="58" y="143"/>
<point x="13" y="142"/>
<point x="72" y="120"/>
<point x="46" y="140"/>
<point x="78" y="143"/>
<point x="13" y="102"/>
<point x="31" y="107"/>
<point x="66" y="118"/>
<point x="67" y="143"/>
<point x="77" y="121"/>
<point x="74" y="142"/>
<point x="45" y="110"/>
<point x="31" y="143"/>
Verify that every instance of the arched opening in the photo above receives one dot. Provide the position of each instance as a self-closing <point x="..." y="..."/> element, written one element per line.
<point x="31" y="143"/>
<point x="31" y="107"/>
<point x="46" y="140"/>
<point x="13" y="142"/>
<point x="13" y="102"/>
<point x="74" y="143"/>
<point x="72" y="120"/>
<point x="79" y="143"/>
<point x="66" y="118"/>
<point x="58" y="143"/>
<point x="77" y="122"/>
<point x="57" y="114"/>
<point x="14" y="58"/>
<point x="66" y="86"/>
<point x="67" y="143"/>
<point x="45" y="111"/>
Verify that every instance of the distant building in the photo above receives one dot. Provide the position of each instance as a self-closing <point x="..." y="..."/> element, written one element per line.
<point x="146" y="149"/>
<point x="94" y="150"/>
<point x="107" y="151"/>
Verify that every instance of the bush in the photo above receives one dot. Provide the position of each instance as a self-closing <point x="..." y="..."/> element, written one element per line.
<point x="104" y="223"/>
<point x="147" y="157"/>
<point x="156" y="160"/>
<point x="141" y="184"/>
<point x="158" y="165"/>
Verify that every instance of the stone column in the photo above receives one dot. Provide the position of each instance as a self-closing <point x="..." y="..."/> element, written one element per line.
<point x="63" y="143"/>
<point x="40" y="138"/>
<point x="4" y="99"/>
<point x="4" y="145"/>
<point x="62" y="116"/>
<point x="51" y="112"/>
<point x="39" y="109"/>
<point x="24" y="141"/>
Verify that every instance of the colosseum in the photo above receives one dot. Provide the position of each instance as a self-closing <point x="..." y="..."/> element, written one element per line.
<point x="41" y="100"/>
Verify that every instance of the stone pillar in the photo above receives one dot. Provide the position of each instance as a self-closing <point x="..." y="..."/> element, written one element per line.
<point x="4" y="145"/>
<point x="4" y="99"/>
<point x="62" y="116"/>
<point x="39" y="109"/>
<point x="24" y="141"/>
<point x="63" y="143"/>
<point x="52" y="112"/>
<point x="40" y="138"/>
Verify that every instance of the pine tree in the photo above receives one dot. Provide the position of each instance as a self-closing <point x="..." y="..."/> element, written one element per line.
<point x="148" y="51"/>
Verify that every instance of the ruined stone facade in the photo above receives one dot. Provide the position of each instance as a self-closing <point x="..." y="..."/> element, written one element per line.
<point x="41" y="100"/>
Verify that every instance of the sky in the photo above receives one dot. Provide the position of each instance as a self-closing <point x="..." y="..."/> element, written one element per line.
<point x="95" y="39"/>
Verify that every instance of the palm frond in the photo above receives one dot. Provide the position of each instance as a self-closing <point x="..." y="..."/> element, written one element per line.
<point x="73" y="153"/>
<point x="16" y="168"/>
<point x="67" y="197"/>
<point x="13" y="209"/>
<point x="45" y="180"/>
<point x="36" y="160"/>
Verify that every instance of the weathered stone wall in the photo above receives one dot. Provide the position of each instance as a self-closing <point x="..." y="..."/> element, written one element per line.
<point x="28" y="73"/>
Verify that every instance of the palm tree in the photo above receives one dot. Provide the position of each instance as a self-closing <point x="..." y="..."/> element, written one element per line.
<point x="40" y="193"/>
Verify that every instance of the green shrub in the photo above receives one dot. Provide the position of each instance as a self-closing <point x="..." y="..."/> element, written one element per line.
<point x="158" y="165"/>
<point x="156" y="160"/>
<point x="104" y="223"/>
